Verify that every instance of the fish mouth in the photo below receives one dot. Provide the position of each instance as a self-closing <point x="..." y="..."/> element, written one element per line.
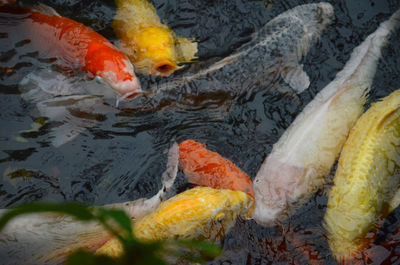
<point x="165" y="68"/>
<point x="129" y="96"/>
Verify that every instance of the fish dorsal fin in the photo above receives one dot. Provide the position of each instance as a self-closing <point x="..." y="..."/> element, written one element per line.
<point x="186" y="49"/>
<point x="45" y="9"/>
<point x="295" y="76"/>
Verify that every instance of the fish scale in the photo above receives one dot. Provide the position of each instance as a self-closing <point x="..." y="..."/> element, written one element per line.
<point x="364" y="183"/>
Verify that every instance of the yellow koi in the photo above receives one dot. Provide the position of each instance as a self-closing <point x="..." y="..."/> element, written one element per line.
<point x="365" y="181"/>
<point x="198" y="213"/>
<point x="152" y="47"/>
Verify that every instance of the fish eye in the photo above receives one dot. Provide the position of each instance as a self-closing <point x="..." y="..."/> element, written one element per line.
<point x="99" y="80"/>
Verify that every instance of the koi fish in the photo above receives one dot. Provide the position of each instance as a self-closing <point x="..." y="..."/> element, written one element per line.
<point x="365" y="180"/>
<point x="198" y="213"/>
<point x="206" y="168"/>
<point x="49" y="238"/>
<point x="307" y="150"/>
<point x="269" y="60"/>
<point x="152" y="47"/>
<point x="76" y="47"/>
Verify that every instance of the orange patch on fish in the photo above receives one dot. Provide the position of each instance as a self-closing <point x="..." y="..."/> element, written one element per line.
<point x="207" y="168"/>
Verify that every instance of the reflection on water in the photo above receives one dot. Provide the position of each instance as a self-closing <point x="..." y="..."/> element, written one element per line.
<point x="121" y="156"/>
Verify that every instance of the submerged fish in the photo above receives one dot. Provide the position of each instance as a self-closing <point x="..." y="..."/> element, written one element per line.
<point x="71" y="46"/>
<point x="152" y="47"/>
<point x="272" y="54"/>
<point x="75" y="47"/>
<point x="48" y="238"/>
<point x="305" y="153"/>
<point x="198" y="213"/>
<point x="206" y="168"/>
<point x="365" y="180"/>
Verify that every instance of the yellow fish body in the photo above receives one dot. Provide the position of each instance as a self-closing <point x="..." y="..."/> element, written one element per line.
<point x="365" y="180"/>
<point x="198" y="213"/>
<point x="152" y="47"/>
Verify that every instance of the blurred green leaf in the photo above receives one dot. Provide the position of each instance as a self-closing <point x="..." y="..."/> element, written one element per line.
<point x="193" y="250"/>
<point x="81" y="257"/>
<point x="118" y="217"/>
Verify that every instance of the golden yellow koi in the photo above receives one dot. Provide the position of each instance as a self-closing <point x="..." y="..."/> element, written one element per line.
<point x="365" y="180"/>
<point x="198" y="213"/>
<point x="152" y="47"/>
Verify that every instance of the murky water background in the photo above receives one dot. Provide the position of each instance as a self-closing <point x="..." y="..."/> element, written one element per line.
<point x="122" y="157"/>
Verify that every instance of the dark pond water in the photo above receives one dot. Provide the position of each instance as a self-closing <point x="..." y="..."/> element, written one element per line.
<point x="121" y="158"/>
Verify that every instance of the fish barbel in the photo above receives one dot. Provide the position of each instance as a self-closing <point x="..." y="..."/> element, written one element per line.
<point x="206" y="168"/>
<point x="272" y="54"/>
<point x="307" y="150"/>
<point x="75" y="47"/>
<point x="152" y="47"/>
<point x="365" y="180"/>
<point x="198" y="213"/>
<point x="48" y="238"/>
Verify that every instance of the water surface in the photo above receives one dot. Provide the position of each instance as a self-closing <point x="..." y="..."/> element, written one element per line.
<point x="122" y="157"/>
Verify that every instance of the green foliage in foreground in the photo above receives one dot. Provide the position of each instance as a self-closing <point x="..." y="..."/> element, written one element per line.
<point x="119" y="224"/>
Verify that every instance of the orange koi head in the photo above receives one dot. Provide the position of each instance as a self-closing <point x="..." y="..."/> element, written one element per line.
<point x="206" y="168"/>
<point x="114" y="68"/>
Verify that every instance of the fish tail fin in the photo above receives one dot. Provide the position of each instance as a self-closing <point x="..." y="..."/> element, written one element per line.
<point x="295" y="77"/>
<point x="186" y="49"/>
<point x="391" y="24"/>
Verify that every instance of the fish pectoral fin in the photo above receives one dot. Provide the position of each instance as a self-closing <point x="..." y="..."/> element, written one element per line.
<point x="44" y="9"/>
<point x="65" y="133"/>
<point x="295" y="76"/>
<point x="64" y="110"/>
<point x="186" y="49"/>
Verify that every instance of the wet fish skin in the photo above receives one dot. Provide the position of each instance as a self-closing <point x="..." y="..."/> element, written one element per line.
<point x="307" y="150"/>
<point x="198" y="213"/>
<point x="273" y="53"/>
<point x="48" y="238"/>
<point x="75" y="47"/>
<point x="206" y="168"/>
<point x="365" y="180"/>
<point x="151" y="46"/>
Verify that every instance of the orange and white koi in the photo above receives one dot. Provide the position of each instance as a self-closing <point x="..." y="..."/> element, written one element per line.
<point x="77" y="47"/>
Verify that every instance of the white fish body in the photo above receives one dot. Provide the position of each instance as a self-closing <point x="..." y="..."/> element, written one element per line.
<point x="48" y="238"/>
<point x="305" y="153"/>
